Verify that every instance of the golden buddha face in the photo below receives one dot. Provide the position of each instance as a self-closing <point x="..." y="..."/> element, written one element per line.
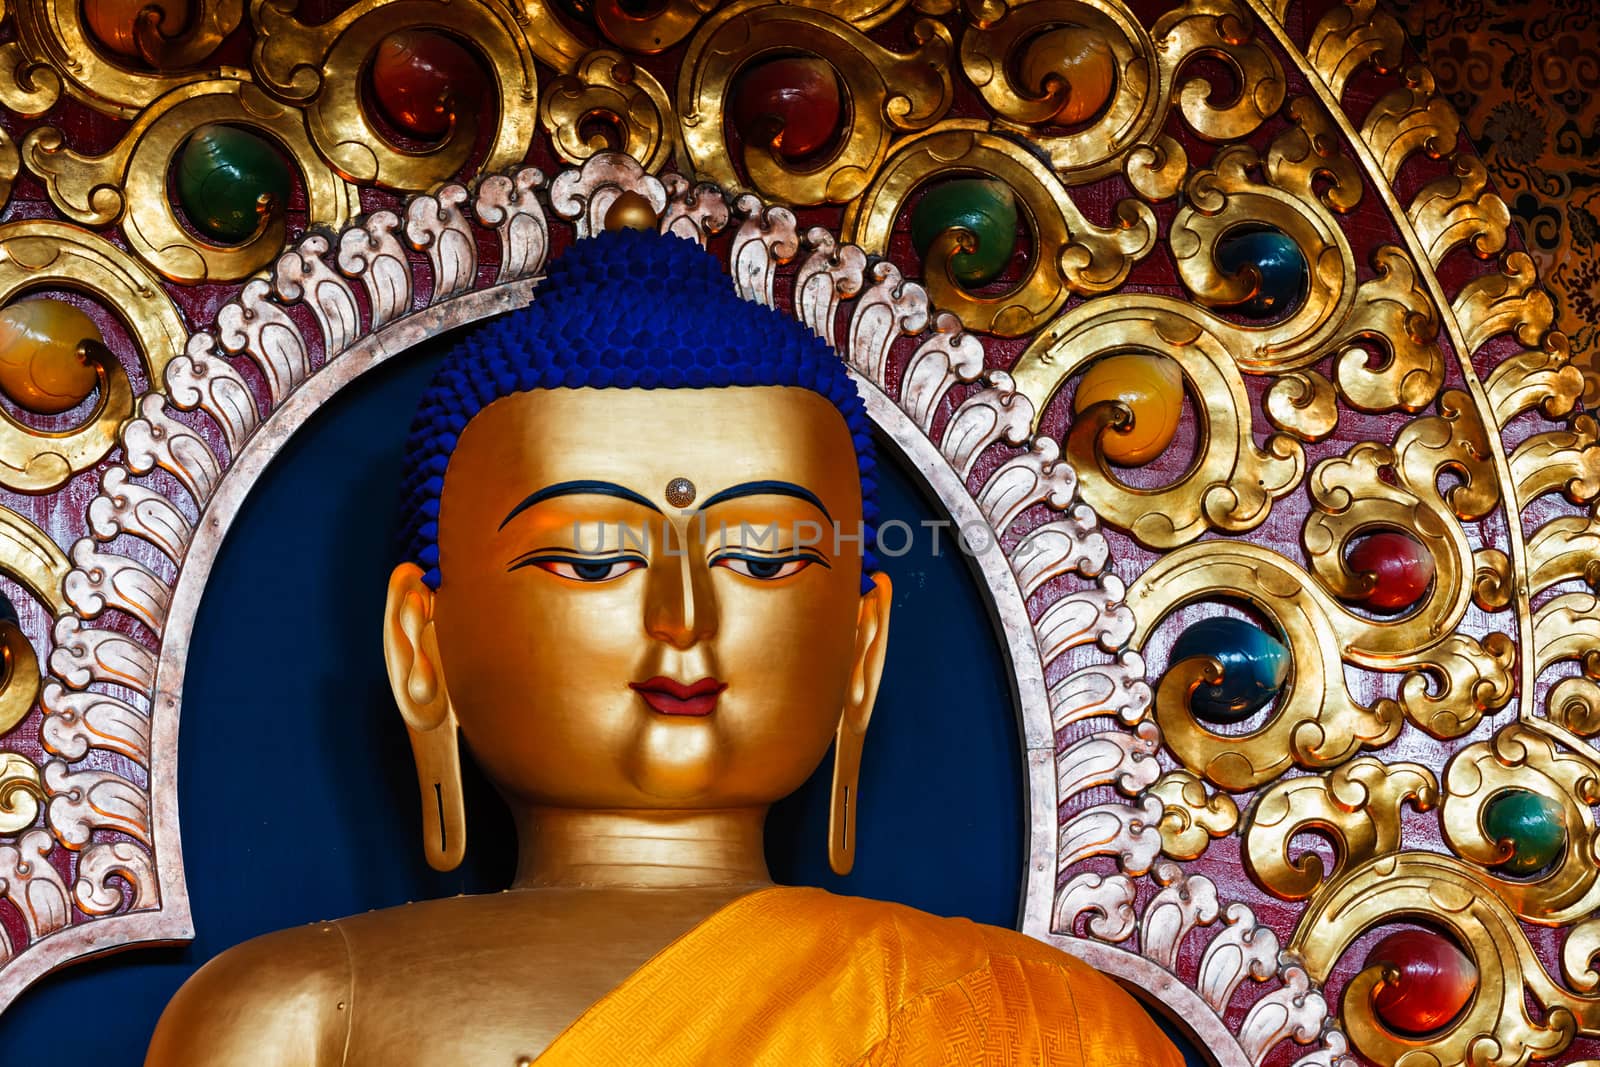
<point x="605" y="643"/>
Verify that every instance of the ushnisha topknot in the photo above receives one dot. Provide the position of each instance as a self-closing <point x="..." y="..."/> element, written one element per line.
<point x="622" y="310"/>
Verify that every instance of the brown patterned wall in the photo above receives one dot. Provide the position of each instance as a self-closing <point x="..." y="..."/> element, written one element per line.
<point x="1525" y="79"/>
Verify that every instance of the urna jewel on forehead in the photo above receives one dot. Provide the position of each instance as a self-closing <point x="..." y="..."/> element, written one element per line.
<point x="627" y="309"/>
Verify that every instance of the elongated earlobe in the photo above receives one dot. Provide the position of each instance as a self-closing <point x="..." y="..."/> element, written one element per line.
<point x="444" y="818"/>
<point x="416" y="678"/>
<point x="842" y="805"/>
<point x="872" y="644"/>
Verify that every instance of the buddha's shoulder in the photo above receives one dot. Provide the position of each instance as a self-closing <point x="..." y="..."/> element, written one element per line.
<point x="914" y="927"/>
<point x="245" y="1000"/>
<point x="921" y="941"/>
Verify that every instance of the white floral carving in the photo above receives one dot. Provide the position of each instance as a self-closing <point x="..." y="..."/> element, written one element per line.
<point x="509" y="203"/>
<point x="370" y="252"/>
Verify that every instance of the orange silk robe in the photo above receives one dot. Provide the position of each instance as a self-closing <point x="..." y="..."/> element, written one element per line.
<point x="794" y="977"/>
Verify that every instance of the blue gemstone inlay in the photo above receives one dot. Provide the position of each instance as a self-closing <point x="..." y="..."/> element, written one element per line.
<point x="1276" y="260"/>
<point x="1254" y="664"/>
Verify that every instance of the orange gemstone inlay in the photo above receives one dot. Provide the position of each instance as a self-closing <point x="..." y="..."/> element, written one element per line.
<point x="1151" y="388"/>
<point x="42" y="367"/>
<point x="1075" y="62"/>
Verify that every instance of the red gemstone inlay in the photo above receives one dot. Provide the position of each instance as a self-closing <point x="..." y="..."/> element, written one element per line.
<point x="418" y="77"/>
<point x="1403" y="569"/>
<point x="127" y="26"/>
<point x="1432" y="981"/>
<point x="790" y="105"/>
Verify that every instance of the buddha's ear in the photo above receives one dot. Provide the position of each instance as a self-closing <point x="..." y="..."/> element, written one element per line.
<point x="872" y="644"/>
<point x="411" y="650"/>
<point x="416" y="678"/>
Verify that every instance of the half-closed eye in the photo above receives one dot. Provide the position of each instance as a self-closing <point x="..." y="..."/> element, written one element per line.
<point x="588" y="569"/>
<point x="766" y="568"/>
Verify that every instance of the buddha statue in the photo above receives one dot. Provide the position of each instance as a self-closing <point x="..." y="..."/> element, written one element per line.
<point x="640" y="584"/>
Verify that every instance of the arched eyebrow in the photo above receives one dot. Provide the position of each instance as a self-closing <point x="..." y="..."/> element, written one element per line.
<point x="764" y="488"/>
<point x="578" y="488"/>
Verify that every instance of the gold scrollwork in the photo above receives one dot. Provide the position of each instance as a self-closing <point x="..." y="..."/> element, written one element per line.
<point x="128" y="185"/>
<point x="1309" y="151"/>
<point x="1316" y="722"/>
<point x="1357" y="805"/>
<point x="607" y="83"/>
<point x="1565" y="461"/>
<point x="1231" y="483"/>
<point x="21" y="790"/>
<point x="1004" y="34"/>
<point x="1223" y="198"/>
<point x="1496" y="1029"/>
<point x="1459" y="208"/>
<point x="1347" y="37"/>
<point x="33" y="560"/>
<point x="1304" y="403"/>
<point x="19" y="677"/>
<point x="1070" y="253"/>
<point x="28" y="86"/>
<point x="39" y="253"/>
<point x="653" y="30"/>
<point x="1394" y="313"/>
<point x="1220" y="30"/>
<point x="1574" y="705"/>
<point x="869" y="14"/>
<point x="1190" y="817"/>
<point x="1519" y="758"/>
<point x="1396" y="487"/>
<point x="1564" y="549"/>
<point x="997" y="43"/>
<point x="553" y="44"/>
<point x="54" y="50"/>
<point x="1158" y="169"/>
<point x="1391" y="312"/>
<point x="1568" y="628"/>
<point x="888" y="91"/>
<point x="1410" y="119"/>
<point x="10" y="164"/>
<point x="321" y="67"/>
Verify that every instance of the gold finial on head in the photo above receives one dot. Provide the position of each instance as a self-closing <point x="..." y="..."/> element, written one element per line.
<point x="630" y="211"/>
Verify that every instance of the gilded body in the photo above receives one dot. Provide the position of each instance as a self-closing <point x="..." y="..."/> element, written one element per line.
<point x="635" y="823"/>
<point x="646" y="607"/>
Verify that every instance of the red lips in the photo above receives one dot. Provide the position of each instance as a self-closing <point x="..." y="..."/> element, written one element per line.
<point x="670" y="697"/>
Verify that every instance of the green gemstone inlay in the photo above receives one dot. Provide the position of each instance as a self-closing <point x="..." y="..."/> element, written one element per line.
<point x="228" y="181"/>
<point x="984" y="212"/>
<point x="1531" y="823"/>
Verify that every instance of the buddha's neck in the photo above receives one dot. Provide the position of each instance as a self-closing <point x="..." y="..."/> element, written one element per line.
<point x="615" y="849"/>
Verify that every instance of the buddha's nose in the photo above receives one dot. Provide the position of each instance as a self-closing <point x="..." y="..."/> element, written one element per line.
<point x="679" y="604"/>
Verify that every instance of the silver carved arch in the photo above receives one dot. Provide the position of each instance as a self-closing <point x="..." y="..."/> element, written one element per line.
<point x="336" y="305"/>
